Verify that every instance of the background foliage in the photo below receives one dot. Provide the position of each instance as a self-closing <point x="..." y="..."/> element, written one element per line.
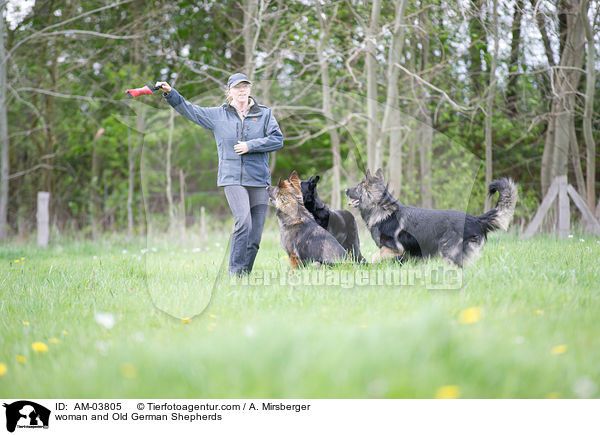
<point x="73" y="132"/>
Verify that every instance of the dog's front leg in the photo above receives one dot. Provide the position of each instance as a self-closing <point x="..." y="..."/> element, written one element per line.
<point x="383" y="254"/>
<point x="294" y="261"/>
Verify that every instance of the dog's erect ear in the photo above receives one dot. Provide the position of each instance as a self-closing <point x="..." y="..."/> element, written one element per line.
<point x="368" y="174"/>
<point x="310" y="179"/>
<point x="295" y="181"/>
<point x="316" y="179"/>
<point x="281" y="183"/>
<point x="379" y="174"/>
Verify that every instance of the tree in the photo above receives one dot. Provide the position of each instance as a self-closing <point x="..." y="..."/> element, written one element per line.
<point x="390" y="126"/>
<point x="325" y="27"/>
<point x="372" y="30"/>
<point x="590" y="83"/>
<point x="4" y="165"/>
<point x="566" y="77"/>
<point x="491" y="93"/>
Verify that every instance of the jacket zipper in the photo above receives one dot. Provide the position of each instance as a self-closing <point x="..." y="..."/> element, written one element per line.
<point x="237" y="135"/>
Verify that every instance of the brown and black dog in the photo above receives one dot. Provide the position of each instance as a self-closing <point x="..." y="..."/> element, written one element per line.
<point x="302" y="237"/>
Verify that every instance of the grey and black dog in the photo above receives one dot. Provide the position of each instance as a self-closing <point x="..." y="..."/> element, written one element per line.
<point x="302" y="238"/>
<point x="340" y="223"/>
<point x="400" y="230"/>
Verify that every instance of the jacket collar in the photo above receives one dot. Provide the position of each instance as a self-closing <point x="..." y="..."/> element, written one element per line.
<point x="253" y="109"/>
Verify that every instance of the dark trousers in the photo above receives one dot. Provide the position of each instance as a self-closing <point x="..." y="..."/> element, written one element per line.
<point x="249" y="208"/>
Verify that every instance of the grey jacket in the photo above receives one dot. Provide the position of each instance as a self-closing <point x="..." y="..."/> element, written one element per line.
<point x="259" y="130"/>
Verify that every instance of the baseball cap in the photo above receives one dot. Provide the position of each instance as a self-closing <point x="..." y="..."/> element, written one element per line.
<point x="237" y="78"/>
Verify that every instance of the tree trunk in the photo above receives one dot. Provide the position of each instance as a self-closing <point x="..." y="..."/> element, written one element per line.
<point x="424" y="127"/>
<point x="395" y="162"/>
<point x="371" y="72"/>
<point x="131" y="159"/>
<point x="491" y="93"/>
<point x="4" y="146"/>
<point x="477" y="34"/>
<point x="94" y="197"/>
<point x="546" y="168"/>
<point x="411" y="167"/>
<point x="411" y="170"/>
<point x="566" y="83"/>
<point x="181" y="205"/>
<point x="130" y="168"/>
<point x="251" y="31"/>
<point x="172" y="220"/>
<point x="391" y="103"/>
<point x="576" y="159"/>
<point x="513" y="63"/>
<point x="590" y="80"/>
<point x="425" y="142"/>
<point x="336" y="200"/>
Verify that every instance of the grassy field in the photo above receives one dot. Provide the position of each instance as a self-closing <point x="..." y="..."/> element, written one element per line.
<point x="114" y="319"/>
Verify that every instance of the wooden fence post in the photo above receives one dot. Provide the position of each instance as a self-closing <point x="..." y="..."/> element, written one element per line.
<point x="202" y="225"/>
<point x="564" y="214"/>
<point x="43" y="218"/>
<point x="562" y="189"/>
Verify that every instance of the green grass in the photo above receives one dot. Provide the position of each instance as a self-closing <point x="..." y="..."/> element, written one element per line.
<point x="302" y="340"/>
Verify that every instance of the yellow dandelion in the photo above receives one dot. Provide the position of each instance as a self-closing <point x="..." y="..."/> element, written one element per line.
<point x="448" y="392"/>
<point x="470" y="315"/>
<point x="22" y="258"/>
<point x="39" y="346"/>
<point x="212" y="316"/>
<point x="3" y="369"/>
<point x="186" y="320"/>
<point x="539" y="312"/>
<point x="553" y="395"/>
<point x="559" y="350"/>
<point x="363" y="325"/>
<point x="65" y="332"/>
<point x="21" y="359"/>
<point x="25" y="322"/>
<point x="17" y="260"/>
<point x="53" y="340"/>
<point x="128" y="370"/>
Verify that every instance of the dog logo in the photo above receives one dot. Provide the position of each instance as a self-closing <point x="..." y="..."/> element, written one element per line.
<point x="26" y="414"/>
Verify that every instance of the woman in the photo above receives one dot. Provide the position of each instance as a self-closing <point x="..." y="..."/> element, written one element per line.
<point x="245" y="132"/>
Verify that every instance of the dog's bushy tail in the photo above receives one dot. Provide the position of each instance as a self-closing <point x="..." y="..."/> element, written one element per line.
<point x="500" y="217"/>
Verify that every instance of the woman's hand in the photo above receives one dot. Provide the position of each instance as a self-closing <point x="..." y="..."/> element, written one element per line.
<point x="241" y="148"/>
<point x="165" y="87"/>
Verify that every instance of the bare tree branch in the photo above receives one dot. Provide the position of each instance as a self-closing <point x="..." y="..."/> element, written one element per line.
<point x="39" y="32"/>
<point x="35" y="168"/>
<point x="90" y="33"/>
<point x="438" y="90"/>
<point x="76" y="97"/>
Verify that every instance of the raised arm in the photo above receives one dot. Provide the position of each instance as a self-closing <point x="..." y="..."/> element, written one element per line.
<point x="203" y="116"/>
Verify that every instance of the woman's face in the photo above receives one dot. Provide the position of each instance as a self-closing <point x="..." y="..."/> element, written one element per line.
<point x="240" y="93"/>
